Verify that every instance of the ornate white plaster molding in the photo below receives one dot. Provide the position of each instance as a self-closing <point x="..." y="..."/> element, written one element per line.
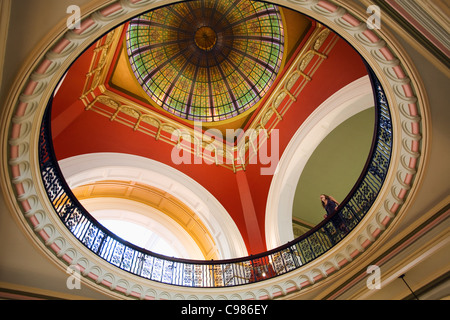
<point x="89" y="168"/>
<point x="30" y="94"/>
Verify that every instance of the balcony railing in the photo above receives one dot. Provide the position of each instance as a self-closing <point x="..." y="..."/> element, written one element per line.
<point x="222" y="273"/>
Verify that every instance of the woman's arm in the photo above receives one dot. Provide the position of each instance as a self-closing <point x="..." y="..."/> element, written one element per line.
<point x="334" y="200"/>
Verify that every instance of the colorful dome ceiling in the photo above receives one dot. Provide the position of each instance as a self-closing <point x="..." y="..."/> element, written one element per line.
<point x="207" y="60"/>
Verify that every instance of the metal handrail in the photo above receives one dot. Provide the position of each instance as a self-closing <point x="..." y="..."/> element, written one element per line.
<point x="230" y="272"/>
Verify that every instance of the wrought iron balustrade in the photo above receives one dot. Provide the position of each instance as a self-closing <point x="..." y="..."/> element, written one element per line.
<point x="222" y="273"/>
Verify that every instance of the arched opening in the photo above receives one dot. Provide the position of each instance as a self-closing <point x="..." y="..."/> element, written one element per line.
<point x="344" y="104"/>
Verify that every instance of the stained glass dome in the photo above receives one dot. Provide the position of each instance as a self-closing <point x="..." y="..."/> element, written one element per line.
<point x="207" y="60"/>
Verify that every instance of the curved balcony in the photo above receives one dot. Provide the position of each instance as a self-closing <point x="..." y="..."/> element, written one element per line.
<point x="222" y="273"/>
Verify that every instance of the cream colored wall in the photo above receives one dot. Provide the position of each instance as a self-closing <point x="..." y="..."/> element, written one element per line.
<point x="22" y="266"/>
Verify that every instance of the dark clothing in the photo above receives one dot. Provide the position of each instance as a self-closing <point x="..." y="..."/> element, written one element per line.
<point x="337" y="222"/>
<point x="330" y="207"/>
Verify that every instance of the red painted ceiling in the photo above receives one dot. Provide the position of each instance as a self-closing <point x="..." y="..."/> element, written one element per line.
<point x="76" y="131"/>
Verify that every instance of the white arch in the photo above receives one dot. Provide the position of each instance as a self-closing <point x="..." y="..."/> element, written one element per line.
<point x="162" y="227"/>
<point x="350" y="100"/>
<point x="88" y="168"/>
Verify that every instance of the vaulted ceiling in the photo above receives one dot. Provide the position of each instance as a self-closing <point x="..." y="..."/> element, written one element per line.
<point x="107" y="103"/>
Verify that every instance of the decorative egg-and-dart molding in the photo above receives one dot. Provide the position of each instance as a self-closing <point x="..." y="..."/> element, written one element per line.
<point x="27" y="198"/>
